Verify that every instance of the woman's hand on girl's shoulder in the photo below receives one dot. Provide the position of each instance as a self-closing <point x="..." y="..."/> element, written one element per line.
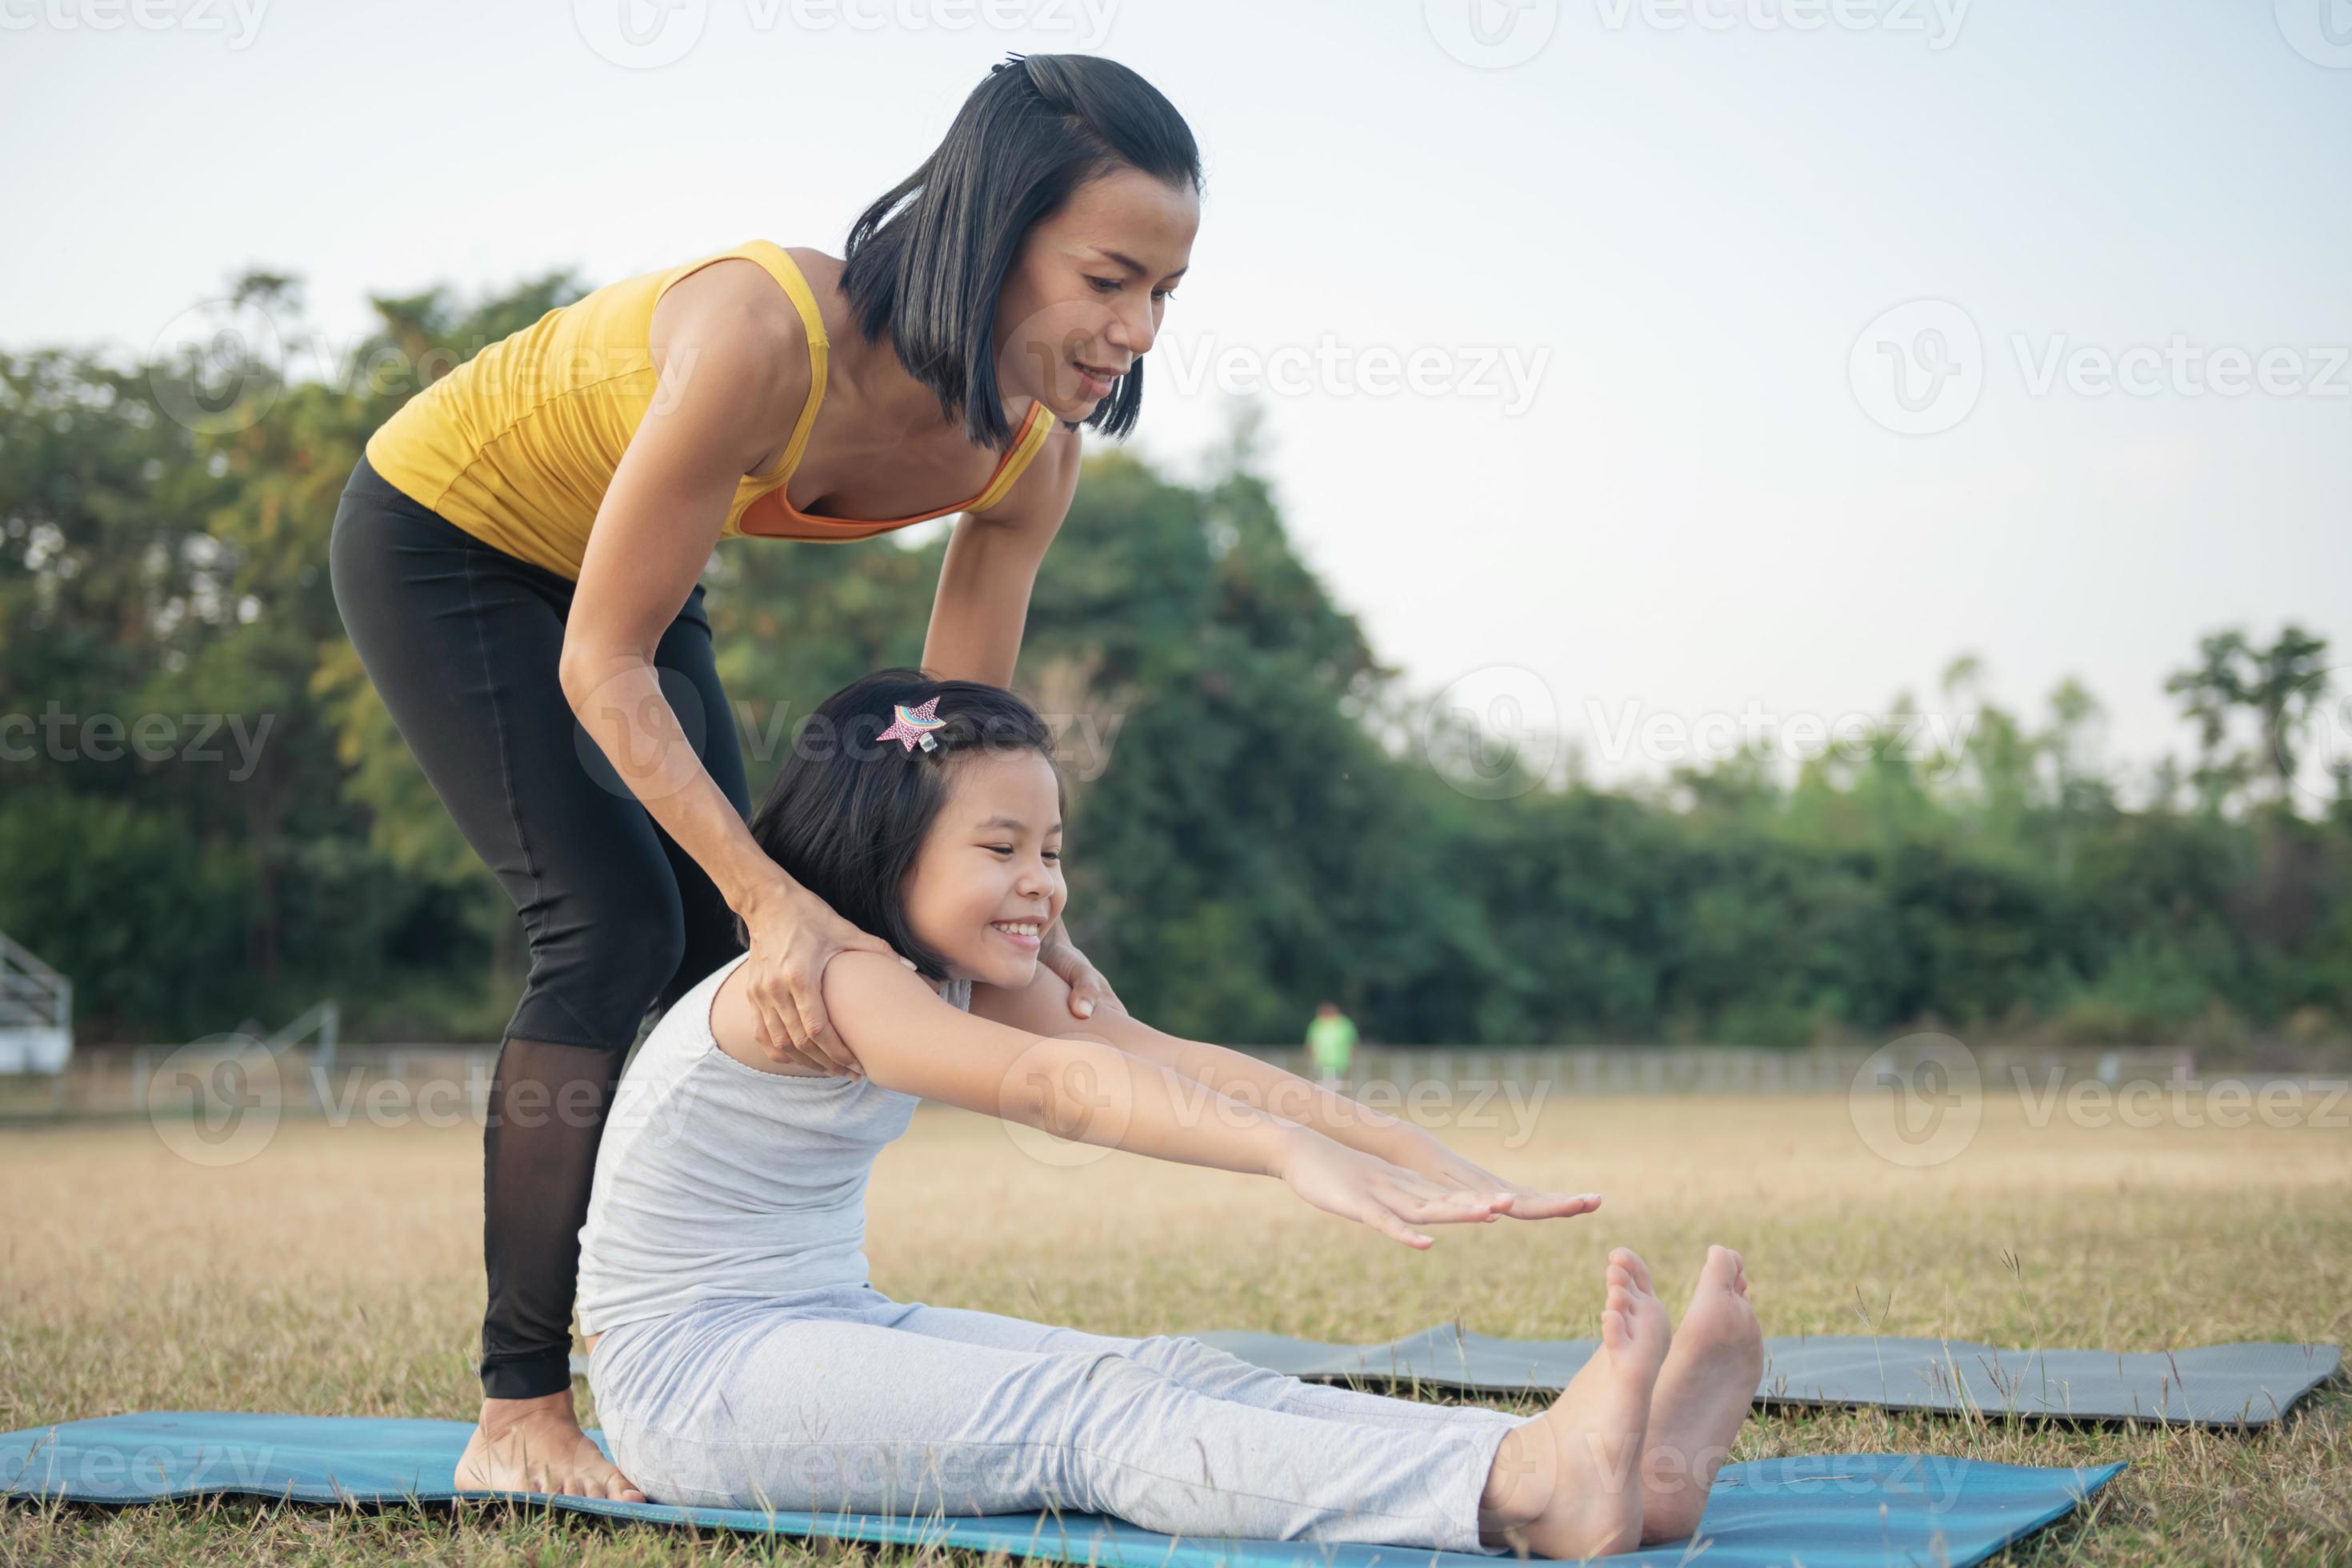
<point x="1088" y="987"/>
<point x="735" y="1025"/>
<point x="795" y="936"/>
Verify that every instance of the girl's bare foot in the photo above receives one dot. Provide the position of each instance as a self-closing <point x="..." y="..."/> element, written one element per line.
<point x="1567" y="1484"/>
<point x="1704" y="1394"/>
<point x="537" y="1445"/>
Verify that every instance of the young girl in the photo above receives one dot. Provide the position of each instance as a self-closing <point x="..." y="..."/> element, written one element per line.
<point x="741" y="1357"/>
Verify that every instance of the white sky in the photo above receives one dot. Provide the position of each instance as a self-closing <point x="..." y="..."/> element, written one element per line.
<point x="1677" y="219"/>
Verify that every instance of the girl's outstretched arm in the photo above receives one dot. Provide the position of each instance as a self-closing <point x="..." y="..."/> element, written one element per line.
<point x="1042" y="1007"/>
<point x="906" y="1037"/>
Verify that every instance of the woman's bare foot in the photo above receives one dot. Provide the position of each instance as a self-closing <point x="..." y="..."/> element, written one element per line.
<point x="1704" y="1394"/>
<point x="1565" y="1484"/>
<point x="537" y="1445"/>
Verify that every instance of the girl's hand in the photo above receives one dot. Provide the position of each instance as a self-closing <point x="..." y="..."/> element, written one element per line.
<point x="1089" y="989"/>
<point x="1425" y="1156"/>
<point x="793" y="935"/>
<point x="1359" y="1186"/>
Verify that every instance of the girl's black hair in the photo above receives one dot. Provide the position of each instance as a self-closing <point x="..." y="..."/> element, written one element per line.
<point x="1036" y="129"/>
<point x="847" y="813"/>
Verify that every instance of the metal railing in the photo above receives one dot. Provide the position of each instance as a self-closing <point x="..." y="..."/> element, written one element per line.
<point x="437" y="1082"/>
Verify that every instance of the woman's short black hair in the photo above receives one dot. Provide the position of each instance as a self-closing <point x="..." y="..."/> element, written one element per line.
<point x="847" y="813"/>
<point x="929" y="271"/>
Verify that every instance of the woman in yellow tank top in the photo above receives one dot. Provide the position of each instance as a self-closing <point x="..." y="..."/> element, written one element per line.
<point x="518" y="554"/>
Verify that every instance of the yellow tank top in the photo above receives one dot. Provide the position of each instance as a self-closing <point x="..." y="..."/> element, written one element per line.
<point x="516" y="445"/>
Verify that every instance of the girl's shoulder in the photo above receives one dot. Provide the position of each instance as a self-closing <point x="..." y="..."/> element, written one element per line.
<point x="733" y="1022"/>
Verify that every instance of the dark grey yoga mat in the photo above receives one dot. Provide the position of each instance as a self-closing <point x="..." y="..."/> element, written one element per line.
<point x="2217" y="1385"/>
<point x="2247" y="1385"/>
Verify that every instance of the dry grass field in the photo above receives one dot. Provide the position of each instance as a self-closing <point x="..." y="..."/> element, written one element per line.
<point x="339" y="1271"/>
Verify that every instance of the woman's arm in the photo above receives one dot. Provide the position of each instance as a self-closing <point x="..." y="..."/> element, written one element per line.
<point x="1040" y="1008"/>
<point x="732" y="359"/>
<point x="981" y="604"/>
<point x="907" y="1039"/>
<point x="718" y="397"/>
<point x="977" y="615"/>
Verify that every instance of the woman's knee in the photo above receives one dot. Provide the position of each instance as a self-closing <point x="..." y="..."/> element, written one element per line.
<point x="598" y="967"/>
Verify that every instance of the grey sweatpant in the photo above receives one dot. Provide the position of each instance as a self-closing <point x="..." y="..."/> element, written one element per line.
<point x="839" y="1398"/>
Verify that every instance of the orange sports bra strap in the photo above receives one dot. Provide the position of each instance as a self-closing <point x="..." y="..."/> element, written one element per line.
<point x="1033" y="431"/>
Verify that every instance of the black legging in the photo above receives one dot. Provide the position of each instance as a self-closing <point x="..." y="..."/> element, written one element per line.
<point x="462" y="640"/>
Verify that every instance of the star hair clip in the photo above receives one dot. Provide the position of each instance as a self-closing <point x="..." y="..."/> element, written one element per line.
<point x="912" y="725"/>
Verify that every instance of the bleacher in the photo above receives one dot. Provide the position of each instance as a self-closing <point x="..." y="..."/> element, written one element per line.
<point x="36" y="1013"/>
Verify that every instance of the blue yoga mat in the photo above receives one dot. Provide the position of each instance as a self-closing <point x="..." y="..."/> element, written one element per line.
<point x="1836" y="1510"/>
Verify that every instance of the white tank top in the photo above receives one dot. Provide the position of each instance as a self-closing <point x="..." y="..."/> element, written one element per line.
<point x="716" y="1181"/>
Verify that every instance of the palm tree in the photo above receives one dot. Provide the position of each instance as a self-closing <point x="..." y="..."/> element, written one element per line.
<point x="2289" y="685"/>
<point x="2211" y="691"/>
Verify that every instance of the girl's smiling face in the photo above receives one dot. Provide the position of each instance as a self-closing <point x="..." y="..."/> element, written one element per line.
<point x="987" y="881"/>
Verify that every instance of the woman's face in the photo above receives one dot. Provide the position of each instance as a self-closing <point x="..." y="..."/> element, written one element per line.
<point x="1083" y="298"/>
<point x="988" y="878"/>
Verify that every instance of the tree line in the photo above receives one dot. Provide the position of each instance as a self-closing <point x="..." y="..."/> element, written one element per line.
<point x="206" y="816"/>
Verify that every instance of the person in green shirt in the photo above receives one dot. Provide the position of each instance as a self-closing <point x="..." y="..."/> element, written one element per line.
<point x="1330" y="1043"/>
